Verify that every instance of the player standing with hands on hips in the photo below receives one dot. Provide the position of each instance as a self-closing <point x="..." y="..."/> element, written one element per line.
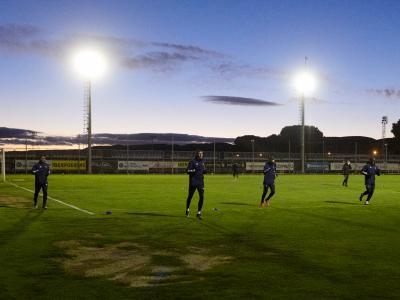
<point x="369" y="171"/>
<point x="196" y="169"/>
<point x="41" y="170"/>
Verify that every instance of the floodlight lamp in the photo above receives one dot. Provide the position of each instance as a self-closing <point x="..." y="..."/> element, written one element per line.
<point x="305" y="82"/>
<point x="89" y="63"/>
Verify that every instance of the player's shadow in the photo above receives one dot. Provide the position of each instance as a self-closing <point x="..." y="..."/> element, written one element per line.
<point x="236" y="203"/>
<point x="19" y="227"/>
<point x="341" y="202"/>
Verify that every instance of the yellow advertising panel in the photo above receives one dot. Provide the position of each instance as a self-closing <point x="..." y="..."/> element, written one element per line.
<point x="68" y="165"/>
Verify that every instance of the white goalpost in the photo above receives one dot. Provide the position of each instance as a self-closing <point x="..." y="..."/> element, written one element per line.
<point x="3" y="164"/>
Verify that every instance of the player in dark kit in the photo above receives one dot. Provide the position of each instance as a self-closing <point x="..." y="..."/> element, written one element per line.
<point x="346" y="172"/>
<point x="269" y="181"/>
<point x="41" y="170"/>
<point x="235" y="170"/>
<point x="196" y="169"/>
<point x="369" y="171"/>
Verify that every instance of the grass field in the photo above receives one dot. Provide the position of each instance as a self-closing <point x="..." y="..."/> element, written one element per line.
<point x="316" y="241"/>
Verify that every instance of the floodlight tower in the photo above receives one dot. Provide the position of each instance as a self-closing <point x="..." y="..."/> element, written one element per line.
<point x="90" y="65"/>
<point x="384" y="123"/>
<point x="305" y="84"/>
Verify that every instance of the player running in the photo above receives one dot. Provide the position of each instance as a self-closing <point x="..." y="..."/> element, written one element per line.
<point x="196" y="169"/>
<point x="269" y="182"/>
<point x="369" y="171"/>
<point x="41" y="170"/>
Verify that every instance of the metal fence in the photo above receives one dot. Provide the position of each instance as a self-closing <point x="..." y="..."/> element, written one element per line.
<point x="111" y="161"/>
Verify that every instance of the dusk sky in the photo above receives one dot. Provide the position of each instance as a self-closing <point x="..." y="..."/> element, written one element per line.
<point x="187" y="66"/>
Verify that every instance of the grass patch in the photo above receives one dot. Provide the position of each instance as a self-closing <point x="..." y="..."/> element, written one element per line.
<point x="132" y="264"/>
<point x="315" y="241"/>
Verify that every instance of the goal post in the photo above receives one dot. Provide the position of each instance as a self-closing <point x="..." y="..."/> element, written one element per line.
<point x="3" y="164"/>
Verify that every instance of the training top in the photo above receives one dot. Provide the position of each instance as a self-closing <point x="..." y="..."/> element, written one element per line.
<point x="41" y="170"/>
<point x="346" y="169"/>
<point x="196" y="169"/>
<point x="269" y="173"/>
<point x="369" y="172"/>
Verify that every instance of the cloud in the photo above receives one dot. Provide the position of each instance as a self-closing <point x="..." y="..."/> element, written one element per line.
<point x="129" y="53"/>
<point x="158" y="61"/>
<point x="389" y="93"/>
<point x="312" y="100"/>
<point x="231" y="69"/>
<point x="6" y="132"/>
<point x="20" y="136"/>
<point x="191" y="49"/>
<point x="230" y="100"/>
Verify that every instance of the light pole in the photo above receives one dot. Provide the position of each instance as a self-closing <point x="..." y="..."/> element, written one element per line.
<point x="79" y="154"/>
<point x="305" y="84"/>
<point x="214" y="156"/>
<point x="356" y="151"/>
<point x="323" y="155"/>
<point x="3" y="164"/>
<point x="386" y="153"/>
<point x="89" y="124"/>
<point x="127" y="157"/>
<point x="252" y="149"/>
<point x="90" y="65"/>
<point x="172" y="154"/>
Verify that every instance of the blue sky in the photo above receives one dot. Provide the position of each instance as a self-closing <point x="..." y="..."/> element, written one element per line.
<point x="165" y="57"/>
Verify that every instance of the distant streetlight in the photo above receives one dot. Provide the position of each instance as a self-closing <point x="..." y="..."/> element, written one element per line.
<point x="386" y="153"/>
<point x="252" y="149"/>
<point x="374" y="152"/>
<point x="214" y="155"/>
<point x="305" y="84"/>
<point x="90" y="65"/>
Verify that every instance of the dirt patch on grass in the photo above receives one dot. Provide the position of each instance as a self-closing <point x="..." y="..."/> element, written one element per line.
<point x="15" y="201"/>
<point x="203" y="262"/>
<point x="136" y="265"/>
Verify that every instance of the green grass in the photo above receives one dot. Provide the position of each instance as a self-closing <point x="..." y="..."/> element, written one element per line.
<point x="316" y="241"/>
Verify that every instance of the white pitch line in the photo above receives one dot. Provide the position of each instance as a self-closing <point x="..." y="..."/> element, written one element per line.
<point x="54" y="199"/>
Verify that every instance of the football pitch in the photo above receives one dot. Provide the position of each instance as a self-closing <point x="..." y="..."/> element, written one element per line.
<point x="126" y="237"/>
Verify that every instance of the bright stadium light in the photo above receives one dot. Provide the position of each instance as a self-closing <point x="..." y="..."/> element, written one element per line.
<point x="90" y="64"/>
<point x="304" y="83"/>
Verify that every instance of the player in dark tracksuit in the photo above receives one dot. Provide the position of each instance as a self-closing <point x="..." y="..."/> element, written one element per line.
<point x="41" y="170"/>
<point x="196" y="169"/>
<point x="346" y="172"/>
<point x="369" y="171"/>
<point x="235" y="170"/>
<point x="269" y="181"/>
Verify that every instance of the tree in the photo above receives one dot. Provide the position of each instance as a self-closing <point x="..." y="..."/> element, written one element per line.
<point x="396" y="129"/>
<point x="293" y="132"/>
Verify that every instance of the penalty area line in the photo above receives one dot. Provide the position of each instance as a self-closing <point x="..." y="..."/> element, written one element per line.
<point x="56" y="200"/>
